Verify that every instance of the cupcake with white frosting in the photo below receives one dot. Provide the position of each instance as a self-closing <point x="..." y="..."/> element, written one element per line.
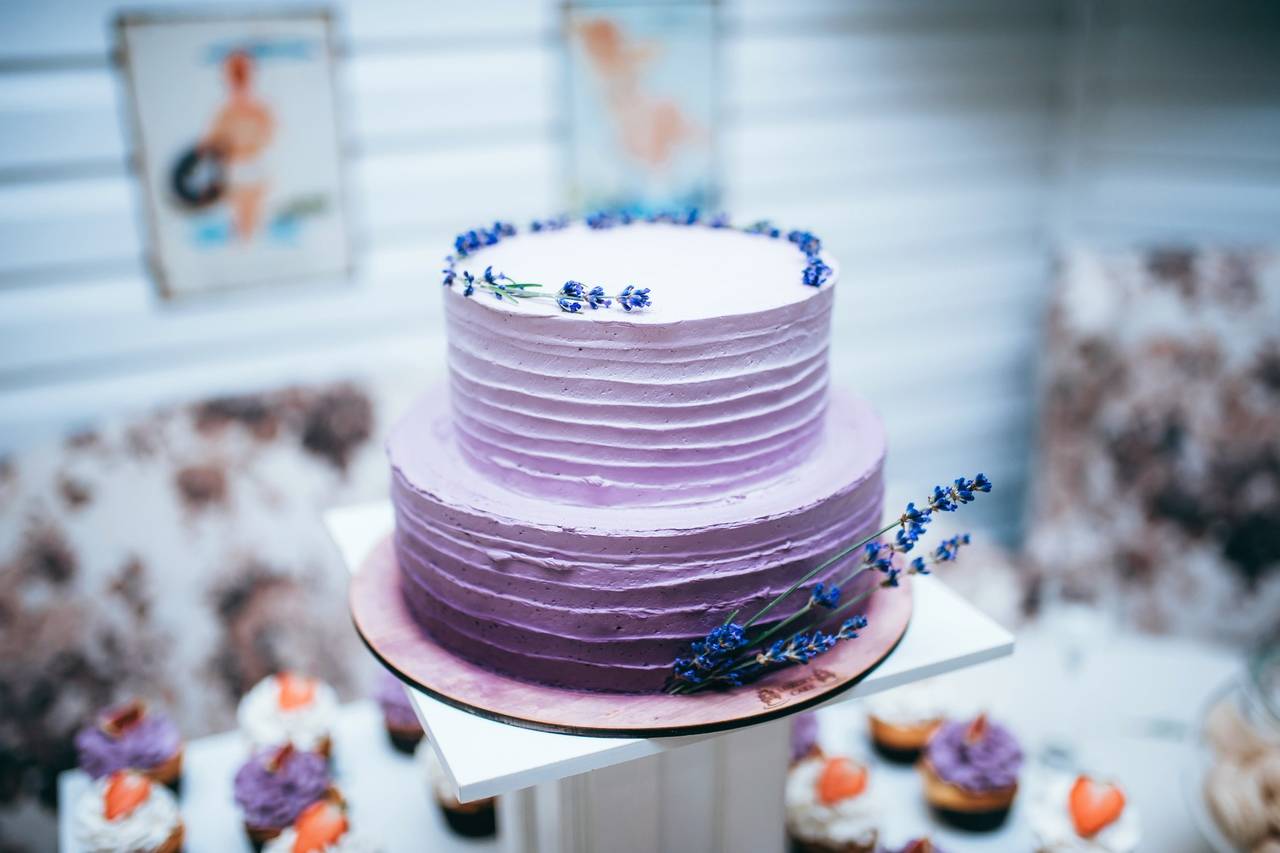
<point x="288" y="708"/>
<point x="832" y="807"/>
<point x="476" y="819"/>
<point x="126" y="811"/>
<point x="901" y="721"/>
<point x="321" y="828"/>
<point x="1082" y="815"/>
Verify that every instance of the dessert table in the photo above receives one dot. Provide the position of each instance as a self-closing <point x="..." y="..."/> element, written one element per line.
<point x="1113" y="703"/>
<point x="702" y="792"/>
<point x="390" y="799"/>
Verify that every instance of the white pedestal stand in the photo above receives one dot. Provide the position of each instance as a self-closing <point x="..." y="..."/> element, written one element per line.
<point x="719" y="793"/>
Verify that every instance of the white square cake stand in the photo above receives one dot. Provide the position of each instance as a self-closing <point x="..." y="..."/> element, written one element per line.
<point x="711" y="792"/>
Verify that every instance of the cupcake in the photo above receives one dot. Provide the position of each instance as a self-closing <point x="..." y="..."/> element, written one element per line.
<point x="321" y="828"/>
<point x="398" y="715"/>
<point x="901" y="721"/>
<point x="831" y="807"/>
<point x="804" y="736"/>
<point x="1080" y="815"/>
<point x="126" y="810"/>
<point x="970" y="773"/>
<point x="476" y="819"/>
<point x="289" y="708"/>
<point x="275" y="785"/>
<point x="132" y="737"/>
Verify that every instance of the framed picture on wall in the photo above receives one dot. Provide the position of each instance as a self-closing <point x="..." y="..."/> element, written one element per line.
<point x="642" y="104"/>
<point x="237" y="147"/>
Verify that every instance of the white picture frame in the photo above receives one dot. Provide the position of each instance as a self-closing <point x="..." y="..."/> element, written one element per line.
<point x="237" y="148"/>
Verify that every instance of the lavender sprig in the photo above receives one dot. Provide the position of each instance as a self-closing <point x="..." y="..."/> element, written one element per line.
<point x="572" y="296"/>
<point x="736" y="663"/>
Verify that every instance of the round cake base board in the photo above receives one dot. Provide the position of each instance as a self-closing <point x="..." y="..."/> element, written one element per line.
<point x="383" y="621"/>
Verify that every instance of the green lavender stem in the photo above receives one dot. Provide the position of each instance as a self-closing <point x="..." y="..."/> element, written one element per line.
<point x="750" y="660"/>
<point x="815" y="571"/>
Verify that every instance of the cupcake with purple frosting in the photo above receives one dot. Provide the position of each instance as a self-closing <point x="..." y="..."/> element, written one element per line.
<point x="131" y="737"/>
<point x="276" y="785"/>
<point x="804" y="737"/>
<point x="970" y="773"/>
<point x="397" y="714"/>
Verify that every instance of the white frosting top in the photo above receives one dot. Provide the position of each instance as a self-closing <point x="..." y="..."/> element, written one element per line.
<point x="849" y="821"/>
<point x="144" y="829"/>
<point x="434" y="771"/>
<point x="349" y="843"/>
<point x="694" y="272"/>
<point x="1050" y="817"/>
<point x="910" y="705"/>
<point x="265" y="723"/>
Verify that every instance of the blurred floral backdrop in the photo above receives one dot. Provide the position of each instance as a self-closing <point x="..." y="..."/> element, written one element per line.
<point x="1158" y="481"/>
<point x="180" y="557"/>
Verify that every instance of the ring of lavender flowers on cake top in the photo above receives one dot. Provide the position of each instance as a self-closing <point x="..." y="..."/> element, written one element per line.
<point x="573" y="296"/>
<point x="127" y="737"/>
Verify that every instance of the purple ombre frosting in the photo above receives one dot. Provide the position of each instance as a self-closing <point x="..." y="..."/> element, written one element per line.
<point x="143" y="745"/>
<point x="991" y="761"/>
<point x="271" y="792"/>
<point x="721" y="384"/>
<point x="603" y="488"/>
<point x="393" y="699"/>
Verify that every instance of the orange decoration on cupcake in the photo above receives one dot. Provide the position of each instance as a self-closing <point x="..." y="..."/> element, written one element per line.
<point x="278" y="758"/>
<point x="125" y="792"/>
<point x="1094" y="806"/>
<point x="977" y="729"/>
<point x="120" y="720"/>
<point x="920" y="845"/>
<point x="321" y="824"/>
<point x="296" y="691"/>
<point x="841" y="779"/>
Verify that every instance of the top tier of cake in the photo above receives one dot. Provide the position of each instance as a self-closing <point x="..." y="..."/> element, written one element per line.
<point x="719" y="385"/>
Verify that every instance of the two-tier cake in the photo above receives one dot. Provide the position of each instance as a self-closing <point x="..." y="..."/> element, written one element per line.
<point x="598" y="487"/>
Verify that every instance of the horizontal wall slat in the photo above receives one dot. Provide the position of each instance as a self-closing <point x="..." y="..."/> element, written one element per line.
<point x="66" y="30"/>
<point x="915" y="137"/>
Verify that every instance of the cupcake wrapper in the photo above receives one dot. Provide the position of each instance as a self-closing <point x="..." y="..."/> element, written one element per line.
<point x="404" y="740"/>
<point x="973" y="821"/>
<point x="259" y="836"/>
<point x="798" y="845"/>
<point x="174" y="843"/>
<point x="972" y="810"/>
<point x="471" y="820"/>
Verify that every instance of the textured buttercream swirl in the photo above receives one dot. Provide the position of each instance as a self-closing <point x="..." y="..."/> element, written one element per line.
<point x="985" y="763"/>
<point x="1049" y="816"/>
<point x="607" y="598"/>
<point x="144" y="829"/>
<point x="723" y="384"/>
<point x="144" y="745"/>
<point x="265" y="723"/>
<point x="850" y="821"/>
<point x="272" y="789"/>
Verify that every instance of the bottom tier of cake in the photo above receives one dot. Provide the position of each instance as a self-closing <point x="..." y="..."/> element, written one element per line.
<point x="605" y="598"/>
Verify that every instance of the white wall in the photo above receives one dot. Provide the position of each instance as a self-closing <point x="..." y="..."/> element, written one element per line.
<point x="1172" y="126"/>
<point x="924" y="141"/>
